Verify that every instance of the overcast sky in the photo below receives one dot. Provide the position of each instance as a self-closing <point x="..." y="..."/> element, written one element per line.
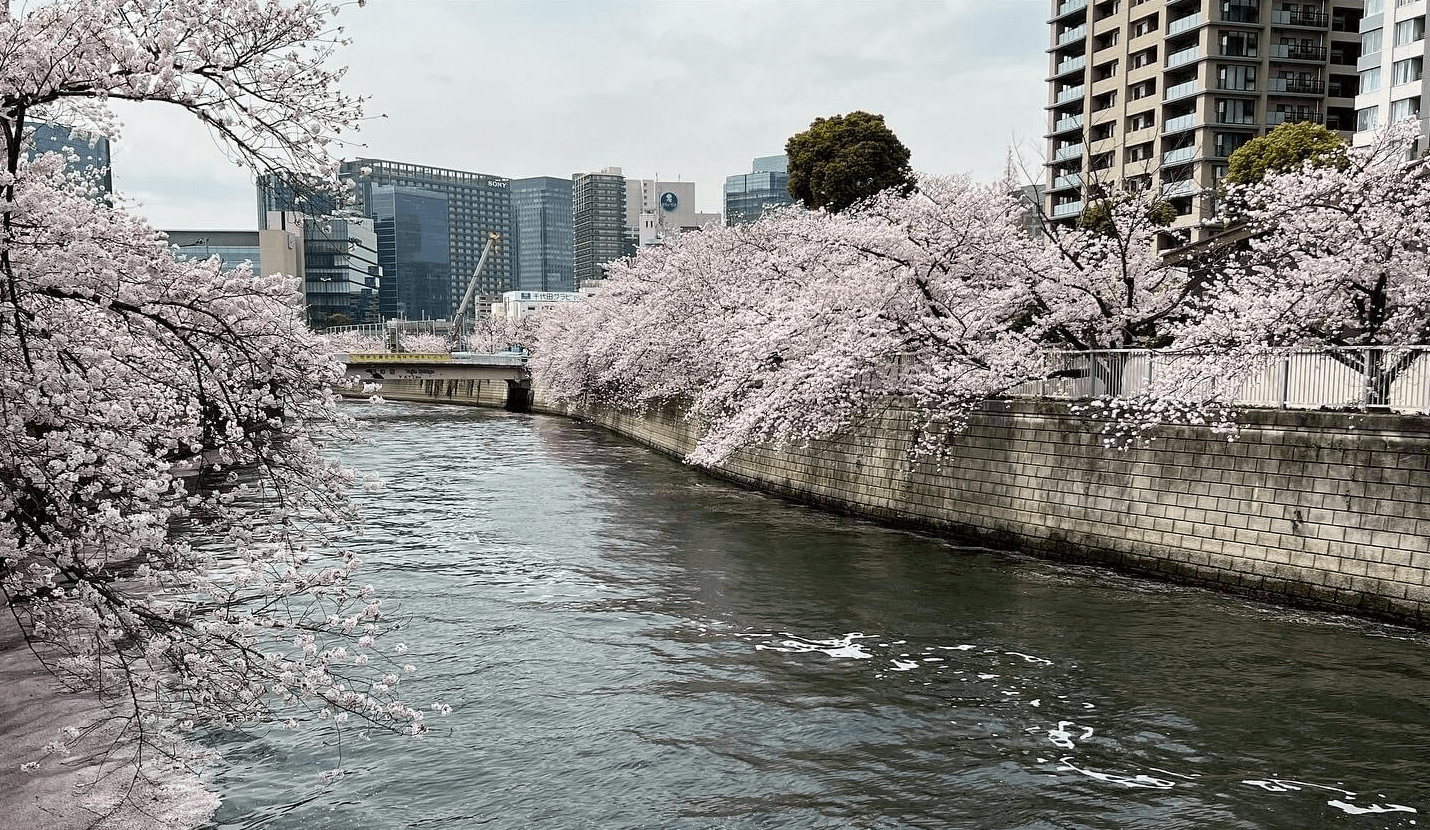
<point x="687" y="90"/>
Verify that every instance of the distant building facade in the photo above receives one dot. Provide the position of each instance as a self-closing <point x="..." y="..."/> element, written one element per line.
<point x="92" y="152"/>
<point x="432" y="224"/>
<point x="235" y="249"/>
<point x="667" y="206"/>
<point x="749" y="195"/>
<point x="515" y="305"/>
<point x="341" y="273"/>
<point x="543" y="214"/>
<point x="598" y="222"/>
<point x="1393" y="85"/>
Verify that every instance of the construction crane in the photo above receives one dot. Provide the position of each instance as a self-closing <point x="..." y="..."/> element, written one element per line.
<point x="459" y="317"/>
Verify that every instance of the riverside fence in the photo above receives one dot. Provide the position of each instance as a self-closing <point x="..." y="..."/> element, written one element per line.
<point x="1370" y="378"/>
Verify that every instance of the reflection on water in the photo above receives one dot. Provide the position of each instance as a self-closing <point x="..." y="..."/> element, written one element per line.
<point x="628" y="643"/>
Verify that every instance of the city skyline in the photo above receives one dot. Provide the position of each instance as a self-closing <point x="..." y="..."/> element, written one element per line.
<point x="670" y="91"/>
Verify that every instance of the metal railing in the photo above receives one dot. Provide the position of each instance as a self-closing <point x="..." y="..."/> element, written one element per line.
<point x="1395" y="379"/>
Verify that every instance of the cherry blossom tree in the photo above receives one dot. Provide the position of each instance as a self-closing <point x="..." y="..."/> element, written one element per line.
<point x="1338" y="256"/>
<point x="805" y="322"/>
<point x="166" y="517"/>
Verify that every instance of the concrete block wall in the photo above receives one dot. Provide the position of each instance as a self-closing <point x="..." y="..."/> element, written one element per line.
<point x="1318" y="509"/>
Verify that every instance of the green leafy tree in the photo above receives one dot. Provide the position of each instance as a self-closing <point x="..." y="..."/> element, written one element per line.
<point x="1098" y="216"/>
<point x="844" y="159"/>
<point x="1283" y="149"/>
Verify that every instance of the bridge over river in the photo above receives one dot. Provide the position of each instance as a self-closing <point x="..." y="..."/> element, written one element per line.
<point x="628" y="643"/>
<point x="482" y="379"/>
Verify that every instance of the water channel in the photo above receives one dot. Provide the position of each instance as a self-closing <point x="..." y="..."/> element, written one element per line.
<point x="628" y="643"/>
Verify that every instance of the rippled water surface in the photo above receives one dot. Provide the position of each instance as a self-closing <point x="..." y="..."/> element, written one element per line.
<point x="627" y="643"/>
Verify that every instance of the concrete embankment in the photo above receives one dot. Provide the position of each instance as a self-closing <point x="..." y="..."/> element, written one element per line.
<point x="1318" y="509"/>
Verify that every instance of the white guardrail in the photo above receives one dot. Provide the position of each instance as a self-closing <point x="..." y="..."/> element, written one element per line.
<point x="1383" y="378"/>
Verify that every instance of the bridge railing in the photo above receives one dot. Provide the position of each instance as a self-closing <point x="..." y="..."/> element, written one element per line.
<point x="1368" y="377"/>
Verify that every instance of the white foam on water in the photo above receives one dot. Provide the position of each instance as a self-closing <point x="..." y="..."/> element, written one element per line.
<point x="1061" y="737"/>
<point x="958" y="648"/>
<point x="904" y="665"/>
<point x="1029" y="658"/>
<point x="1282" y="785"/>
<point x="1192" y="777"/>
<point x="835" y="647"/>
<point x="1035" y="702"/>
<point x="987" y="677"/>
<point x="1373" y="808"/>
<point x="1139" y="781"/>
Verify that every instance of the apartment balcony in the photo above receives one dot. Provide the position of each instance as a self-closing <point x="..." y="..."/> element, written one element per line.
<point x="1072" y="35"/>
<point x="1296" y="52"/>
<point x="1294" y="86"/>
<point x="1276" y="117"/>
<point x="1240" y="14"/>
<point x="1067" y="209"/>
<point x="1310" y="20"/>
<point x="1067" y="7"/>
<point x="1068" y="151"/>
<point x="1070" y="65"/>
<point x="1072" y="122"/>
<point x="1239" y="53"/>
<point x="1172" y="190"/>
<point x="1185" y="56"/>
<point x="1071" y="180"/>
<point x="1184" y="24"/>
<point x="1182" y="90"/>
<point x="1179" y="124"/>
<point x="1181" y="156"/>
<point x="1236" y="120"/>
<point x="1072" y="93"/>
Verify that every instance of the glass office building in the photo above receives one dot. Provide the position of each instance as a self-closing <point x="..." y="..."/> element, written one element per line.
<point x="340" y="271"/>
<point x="405" y="200"/>
<point x="544" y="244"/>
<point x="92" y="152"/>
<point x="749" y="195"/>
<point x="413" y="251"/>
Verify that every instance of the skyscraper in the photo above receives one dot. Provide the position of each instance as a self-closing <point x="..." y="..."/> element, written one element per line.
<point x="1158" y="93"/>
<point x="749" y="195"/>
<point x="598" y="222"/>
<point x="543" y="212"/>
<point x="432" y="224"/>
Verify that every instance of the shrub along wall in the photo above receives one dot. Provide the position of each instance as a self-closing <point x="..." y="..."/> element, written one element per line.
<point x="1318" y="509"/>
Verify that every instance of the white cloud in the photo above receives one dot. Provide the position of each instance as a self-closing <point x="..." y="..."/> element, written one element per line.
<point x="687" y="89"/>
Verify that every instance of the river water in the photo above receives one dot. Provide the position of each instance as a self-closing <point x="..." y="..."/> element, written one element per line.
<point x="628" y="643"/>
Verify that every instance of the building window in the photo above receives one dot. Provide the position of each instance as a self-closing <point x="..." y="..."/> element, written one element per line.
<point x="1237" y="77"/>
<point x="1235" y="111"/>
<point x="1407" y="70"/>
<point x="1405" y="109"/>
<point x="1224" y="144"/>
<point x="1240" y="11"/>
<point x="1104" y="131"/>
<point x="1139" y="152"/>
<point x="1409" y="31"/>
<point x="1141" y="121"/>
<point x="1238" y="44"/>
<point x="1367" y="119"/>
<point x="1370" y="79"/>
<point x="1370" y="41"/>
<point x="1145" y="26"/>
<point x="1374" y="7"/>
<point x="1142" y="90"/>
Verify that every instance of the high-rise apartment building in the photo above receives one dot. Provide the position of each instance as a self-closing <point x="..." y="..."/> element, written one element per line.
<point x="1158" y="93"/>
<point x="749" y="195"/>
<point x="432" y="224"/>
<point x="1392" y="68"/>
<point x="543" y="213"/>
<point x="598" y="222"/>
